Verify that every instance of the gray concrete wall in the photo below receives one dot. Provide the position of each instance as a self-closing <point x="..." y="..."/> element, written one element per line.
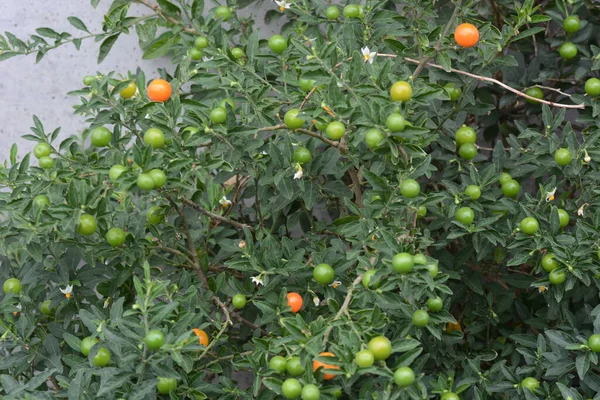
<point x="28" y="89"/>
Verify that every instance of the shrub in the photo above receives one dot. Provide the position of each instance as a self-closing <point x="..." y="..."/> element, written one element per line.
<point x="301" y="209"/>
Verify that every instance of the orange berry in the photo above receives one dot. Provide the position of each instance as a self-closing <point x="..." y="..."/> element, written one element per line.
<point x="466" y="35"/>
<point x="202" y="336"/>
<point x="159" y="90"/>
<point x="319" y="364"/>
<point x="294" y="301"/>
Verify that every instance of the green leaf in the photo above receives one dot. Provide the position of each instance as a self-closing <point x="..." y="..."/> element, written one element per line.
<point x="106" y="46"/>
<point x="168" y="7"/>
<point x="158" y="49"/>
<point x="77" y="23"/>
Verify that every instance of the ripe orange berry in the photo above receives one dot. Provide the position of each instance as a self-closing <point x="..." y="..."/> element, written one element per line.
<point x="159" y="90"/>
<point x="202" y="336"/>
<point x="294" y="301"/>
<point x="318" y="364"/>
<point x="466" y="35"/>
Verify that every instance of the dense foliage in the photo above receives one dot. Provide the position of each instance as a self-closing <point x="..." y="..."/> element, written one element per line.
<point x="389" y="200"/>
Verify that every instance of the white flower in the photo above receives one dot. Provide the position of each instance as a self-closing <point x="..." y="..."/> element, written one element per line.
<point x="587" y="157"/>
<point x="542" y="289"/>
<point x="206" y="59"/>
<point x="264" y="153"/>
<point x="242" y="244"/>
<point x="335" y="284"/>
<point x="19" y="307"/>
<point x="257" y="280"/>
<point x="225" y="202"/>
<point x="368" y="55"/>
<point x="580" y="210"/>
<point x="67" y="291"/>
<point x="299" y="172"/>
<point x="283" y="5"/>
<point x="550" y="195"/>
<point x="316" y="301"/>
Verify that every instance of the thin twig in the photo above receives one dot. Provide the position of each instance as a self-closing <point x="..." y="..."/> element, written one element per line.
<point x="214" y="216"/>
<point x="553" y="89"/>
<point x="161" y="13"/>
<point x="341" y="147"/>
<point x="307" y="97"/>
<point x="356" y="186"/>
<point x="248" y="323"/>
<point x="342" y="309"/>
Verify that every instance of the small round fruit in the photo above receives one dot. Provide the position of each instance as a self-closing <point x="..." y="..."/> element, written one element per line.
<point x="201" y="43"/>
<point x="335" y="130"/>
<point x="473" y="192"/>
<point x="435" y="304"/>
<point x="159" y="90"/>
<point x="155" y="138"/>
<point x="165" y="385"/>
<point x="291" y="388"/>
<point x="563" y="156"/>
<point x="154" y="339"/>
<point x="504" y="177"/>
<point x="145" y="182"/>
<point x="404" y="377"/>
<point x="196" y="54"/>
<point x="239" y="301"/>
<point x="41" y="200"/>
<point x="594" y="342"/>
<point x="319" y="364"/>
<point x="467" y="151"/>
<point x="571" y="24"/>
<point x="279" y="364"/>
<point x="465" y="215"/>
<point x="530" y="383"/>
<point x="86" y="345"/>
<point x="46" y="162"/>
<point x="159" y="177"/>
<point x="511" y="188"/>
<point x="364" y="358"/>
<point x="237" y="53"/>
<point x="373" y="137"/>
<point x="452" y="91"/>
<point x="128" y="91"/>
<point x="291" y="119"/>
<point x="277" y="44"/>
<point x="401" y="91"/>
<point x="403" y="263"/>
<point x="534" y="92"/>
<point x="294" y="366"/>
<point x="421" y="212"/>
<point x="420" y="259"/>
<point x="332" y="13"/>
<point x="46" y="307"/>
<point x="381" y="347"/>
<point x="223" y="12"/>
<point x="567" y="51"/>
<point x="563" y="217"/>
<point x="115" y="172"/>
<point x="116" y="237"/>
<point x="466" y="35"/>
<point x="366" y="279"/>
<point x="549" y="262"/>
<point x="87" y="225"/>
<point x="433" y="269"/>
<point x="202" y="336"/>
<point x="324" y="274"/>
<point x="449" y="396"/>
<point x="410" y="188"/>
<point x="218" y="115"/>
<point x="88" y="80"/>
<point x="42" y="149"/>
<point x="102" y="357"/>
<point x="395" y="122"/>
<point x="311" y="391"/>
<point x="465" y="134"/>
<point x="302" y="155"/>
<point x="294" y="301"/>
<point x="320" y="125"/>
<point x="592" y="87"/>
<point x="351" y="11"/>
<point x="557" y="277"/>
<point x="12" y="285"/>
<point x="420" y="318"/>
<point x="529" y="225"/>
<point x="154" y="215"/>
<point x="306" y="85"/>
